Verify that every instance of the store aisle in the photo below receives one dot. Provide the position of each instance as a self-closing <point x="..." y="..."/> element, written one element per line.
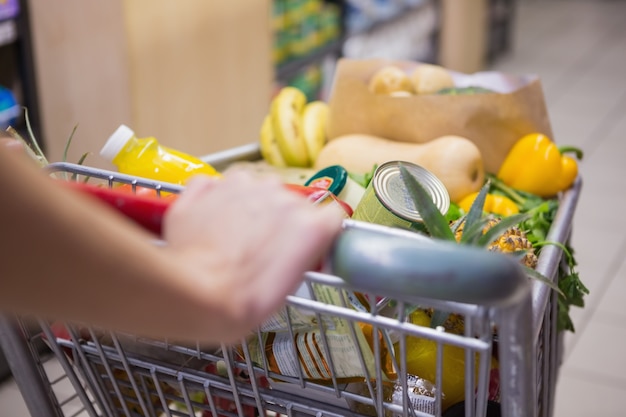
<point x="578" y="48"/>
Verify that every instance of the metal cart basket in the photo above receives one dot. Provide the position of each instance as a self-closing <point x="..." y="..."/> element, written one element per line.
<point x="342" y="346"/>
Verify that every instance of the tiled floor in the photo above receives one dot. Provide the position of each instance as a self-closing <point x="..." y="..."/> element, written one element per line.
<point x="578" y="48"/>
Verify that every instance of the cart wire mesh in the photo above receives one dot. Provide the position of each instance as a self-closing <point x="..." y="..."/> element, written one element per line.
<point x="334" y="350"/>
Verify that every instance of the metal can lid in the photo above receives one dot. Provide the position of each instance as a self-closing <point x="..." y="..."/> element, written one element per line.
<point x="392" y="193"/>
<point x="332" y="178"/>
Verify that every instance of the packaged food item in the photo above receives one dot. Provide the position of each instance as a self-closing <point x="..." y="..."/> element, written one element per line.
<point x="147" y="158"/>
<point x="336" y="180"/>
<point x="420" y="392"/>
<point x="304" y="352"/>
<point x="298" y="319"/>
<point x="420" y="396"/>
<point x="321" y="197"/>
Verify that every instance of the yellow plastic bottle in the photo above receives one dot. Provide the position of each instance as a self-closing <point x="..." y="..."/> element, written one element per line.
<point x="146" y="158"/>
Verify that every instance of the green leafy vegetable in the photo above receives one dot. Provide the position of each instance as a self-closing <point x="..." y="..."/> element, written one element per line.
<point x="537" y="226"/>
<point x="363" y="179"/>
<point x="454" y="213"/>
<point x="572" y="290"/>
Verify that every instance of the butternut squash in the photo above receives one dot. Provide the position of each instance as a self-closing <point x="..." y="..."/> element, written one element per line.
<point x="455" y="160"/>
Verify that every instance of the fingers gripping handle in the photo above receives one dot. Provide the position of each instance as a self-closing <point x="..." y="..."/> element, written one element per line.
<point x="397" y="264"/>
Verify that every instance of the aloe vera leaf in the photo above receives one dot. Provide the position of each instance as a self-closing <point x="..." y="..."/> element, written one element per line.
<point x="476" y="209"/>
<point x="434" y="221"/>
<point x="533" y="273"/>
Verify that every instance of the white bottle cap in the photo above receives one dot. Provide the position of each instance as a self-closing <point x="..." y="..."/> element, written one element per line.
<point x="116" y="142"/>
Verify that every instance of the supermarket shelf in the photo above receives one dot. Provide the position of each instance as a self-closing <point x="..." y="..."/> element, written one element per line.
<point x="292" y="67"/>
<point x="8" y="32"/>
<point x="390" y="20"/>
<point x="501" y="16"/>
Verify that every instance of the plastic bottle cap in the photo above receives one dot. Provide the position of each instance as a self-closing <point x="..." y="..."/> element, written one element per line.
<point x="116" y="142"/>
<point x="332" y="178"/>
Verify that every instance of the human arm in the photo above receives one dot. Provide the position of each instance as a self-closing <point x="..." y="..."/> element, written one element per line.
<point x="235" y="248"/>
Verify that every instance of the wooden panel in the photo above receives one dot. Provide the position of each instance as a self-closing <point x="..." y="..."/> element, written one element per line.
<point x="201" y="72"/>
<point x="196" y="75"/>
<point x="82" y="73"/>
<point x="463" y="42"/>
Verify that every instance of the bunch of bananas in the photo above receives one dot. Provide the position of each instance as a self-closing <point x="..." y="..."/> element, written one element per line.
<point x="294" y="131"/>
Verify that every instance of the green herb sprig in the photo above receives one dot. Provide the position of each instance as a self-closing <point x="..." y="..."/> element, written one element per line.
<point x="572" y="291"/>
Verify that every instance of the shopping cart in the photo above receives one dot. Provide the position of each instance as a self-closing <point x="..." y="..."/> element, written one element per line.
<point x="342" y="345"/>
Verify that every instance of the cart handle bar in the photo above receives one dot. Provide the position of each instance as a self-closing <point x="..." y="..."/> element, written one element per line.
<point x="380" y="259"/>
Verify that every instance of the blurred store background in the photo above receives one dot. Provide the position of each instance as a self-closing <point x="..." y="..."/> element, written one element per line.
<point x="200" y="75"/>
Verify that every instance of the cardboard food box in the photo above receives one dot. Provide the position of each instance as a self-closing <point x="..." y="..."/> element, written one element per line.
<point x="493" y="121"/>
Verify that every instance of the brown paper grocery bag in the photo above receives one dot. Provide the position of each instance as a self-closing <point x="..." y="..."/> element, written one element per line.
<point x="493" y="121"/>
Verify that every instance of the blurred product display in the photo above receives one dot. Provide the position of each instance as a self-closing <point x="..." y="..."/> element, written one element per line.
<point x="17" y="80"/>
<point x="391" y="29"/>
<point x="362" y="15"/>
<point x="9" y="9"/>
<point x="463" y="36"/>
<point x="309" y="80"/>
<point x="9" y="109"/>
<point x="303" y="26"/>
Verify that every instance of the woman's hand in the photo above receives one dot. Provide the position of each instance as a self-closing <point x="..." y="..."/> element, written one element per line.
<point x="260" y="236"/>
<point x="235" y="248"/>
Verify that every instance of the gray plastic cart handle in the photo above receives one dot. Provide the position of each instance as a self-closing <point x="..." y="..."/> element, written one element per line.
<point x="400" y="264"/>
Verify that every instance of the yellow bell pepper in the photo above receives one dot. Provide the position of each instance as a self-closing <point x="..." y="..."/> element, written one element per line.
<point x="496" y="204"/>
<point x="536" y="165"/>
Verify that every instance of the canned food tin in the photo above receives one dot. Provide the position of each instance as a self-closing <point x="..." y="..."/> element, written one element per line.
<point x="387" y="201"/>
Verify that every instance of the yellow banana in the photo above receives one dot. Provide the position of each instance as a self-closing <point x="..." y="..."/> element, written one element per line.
<point x="286" y="118"/>
<point x="314" y="122"/>
<point x="268" y="145"/>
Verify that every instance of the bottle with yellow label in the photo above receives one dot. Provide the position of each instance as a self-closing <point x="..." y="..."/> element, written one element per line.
<point x="146" y="158"/>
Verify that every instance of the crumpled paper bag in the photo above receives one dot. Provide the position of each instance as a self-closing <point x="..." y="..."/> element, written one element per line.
<point x="494" y="122"/>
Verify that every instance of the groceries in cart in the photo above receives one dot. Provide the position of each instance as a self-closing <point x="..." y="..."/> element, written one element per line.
<point x="469" y="131"/>
<point x="399" y="320"/>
